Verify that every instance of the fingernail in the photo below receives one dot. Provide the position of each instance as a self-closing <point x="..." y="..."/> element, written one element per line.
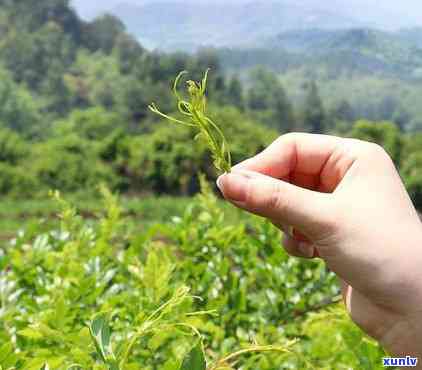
<point x="234" y="186"/>
<point x="220" y="183"/>
<point x="306" y="249"/>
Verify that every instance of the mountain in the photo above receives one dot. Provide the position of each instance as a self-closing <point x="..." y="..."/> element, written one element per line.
<point x="189" y="24"/>
<point x="169" y="25"/>
<point x="358" y="50"/>
<point x="319" y="40"/>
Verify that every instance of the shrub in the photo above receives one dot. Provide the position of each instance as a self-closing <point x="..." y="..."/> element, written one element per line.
<point x="168" y="159"/>
<point x="386" y="134"/>
<point x="70" y="164"/>
<point x="17" y="181"/>
<point x="87" y="296"/>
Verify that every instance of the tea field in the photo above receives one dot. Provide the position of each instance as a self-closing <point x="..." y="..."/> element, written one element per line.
<point x="164" y="284"/>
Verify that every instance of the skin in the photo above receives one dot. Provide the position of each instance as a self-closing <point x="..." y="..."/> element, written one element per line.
<point x="342" y="200"/>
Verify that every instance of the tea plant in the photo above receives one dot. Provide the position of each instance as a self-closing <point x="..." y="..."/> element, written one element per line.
<point x="92" y="295"/>
<point x="194" y="113"/>
<point x="56" y="282"/>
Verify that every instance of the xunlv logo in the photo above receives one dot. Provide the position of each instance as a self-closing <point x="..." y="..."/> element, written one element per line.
<point x="400" y="361"/>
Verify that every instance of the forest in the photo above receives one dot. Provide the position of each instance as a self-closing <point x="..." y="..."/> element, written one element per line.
<point x="110" y="229"/>
<point x="74" y="109"/>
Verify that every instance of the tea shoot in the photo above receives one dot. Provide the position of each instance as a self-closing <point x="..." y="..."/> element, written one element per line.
<point x="194" y="109"/>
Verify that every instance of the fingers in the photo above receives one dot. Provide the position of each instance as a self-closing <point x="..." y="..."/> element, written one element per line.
<point x="283" y="203"/>
<point x="316" y="162"/>
<point x="295" y="243"/>
<point x="346" y="293"/>
<point x="297" y="248"/>
<point x="296" y="152"/>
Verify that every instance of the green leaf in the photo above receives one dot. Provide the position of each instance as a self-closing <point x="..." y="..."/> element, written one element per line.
<point x="194" y="112"/>
<point x="195" y="360"/>
<point x="5" y="351"/>
<point x="30" y="333"/>
<point x="7" y="356"/>
<point x="101" y="335"/>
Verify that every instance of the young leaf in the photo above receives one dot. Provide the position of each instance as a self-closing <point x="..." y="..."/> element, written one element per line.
<point x="7" y="356"/>
<point x="195" y="359"/>
<point x="30" y="333"/>
<point x="194" y="111"/>
<point x="101" y="335"/>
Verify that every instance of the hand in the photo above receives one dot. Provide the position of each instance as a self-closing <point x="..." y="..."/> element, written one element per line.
<point x="346" y="203"/>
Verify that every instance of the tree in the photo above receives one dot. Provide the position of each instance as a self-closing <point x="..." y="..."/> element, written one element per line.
<point x="234" y="93"/>
<point x="18" y="110"/>
<point x="383" y="133"/>
<point x="12" y="147"/>
<point x="128" y="52"/>
<point x="314" y="113"/>
<point x="402" y="118"/>
<point x="95" y="79"/>
<point x="205" y="58"/>
<point x="93" y="124"/>
<point x="260" y="92"/>
<point x="343" y="111"/>
<point x="268" y="97"/>
<point x="69" y="164"/>
<point x="283" y="115"/>
<point x="386" y="107"/>
<point x="102" y="33"/>
<point x="33" y="14"/>
<point x="412" y="177"/>
<point x="32" y="57"/>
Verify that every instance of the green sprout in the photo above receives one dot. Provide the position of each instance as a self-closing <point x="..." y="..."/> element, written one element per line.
<point x="194" y="109"/>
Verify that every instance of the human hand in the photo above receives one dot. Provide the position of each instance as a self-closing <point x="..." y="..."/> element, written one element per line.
<point x="345" y="203"/>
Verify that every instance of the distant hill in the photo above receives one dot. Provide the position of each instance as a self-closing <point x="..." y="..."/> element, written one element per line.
<point x="315" y="40"/>
<point x="359" y="50"/>
<point x="168" y="25"/>
<point x="189" y="24"/>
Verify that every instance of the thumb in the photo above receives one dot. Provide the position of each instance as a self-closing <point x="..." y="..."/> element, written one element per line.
<point x="283" y="203"/>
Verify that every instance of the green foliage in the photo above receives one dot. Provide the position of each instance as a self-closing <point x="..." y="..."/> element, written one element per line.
<point x="69" y="163"/>
<point x="314" y="112"/>
<point x="195" y="359"/>
<point x="16" y="181"/>
<point x="412" y="175"/>
<point x="76" y="96"/>
<point x="94" y="79"/>
<point x="385" y="134"/>
<point x="96" y="289"/>
<point x="161" y="161"/>
<point x="88" y="296"/>
<point x="94" y="124"/>
<point x="103" y="32"/>
<point x="18" y="110"/>
<point x="268" y="100"/>
<point x="12" y="147"/>
<point x="235" y="94"/>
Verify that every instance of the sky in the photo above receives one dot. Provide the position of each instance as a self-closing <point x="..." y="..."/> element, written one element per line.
<point x="411" y="5"/>
<point x="381" y="10"/>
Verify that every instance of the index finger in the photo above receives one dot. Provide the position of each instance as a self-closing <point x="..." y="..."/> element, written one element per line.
<point x="293" y="153"/>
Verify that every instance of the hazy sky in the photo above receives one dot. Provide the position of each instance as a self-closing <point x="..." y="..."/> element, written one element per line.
<point x="381" y="10"/>
<point x="411" y="5"/>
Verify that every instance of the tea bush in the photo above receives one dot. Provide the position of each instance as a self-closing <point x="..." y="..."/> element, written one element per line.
<point x="196" y="293"/>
